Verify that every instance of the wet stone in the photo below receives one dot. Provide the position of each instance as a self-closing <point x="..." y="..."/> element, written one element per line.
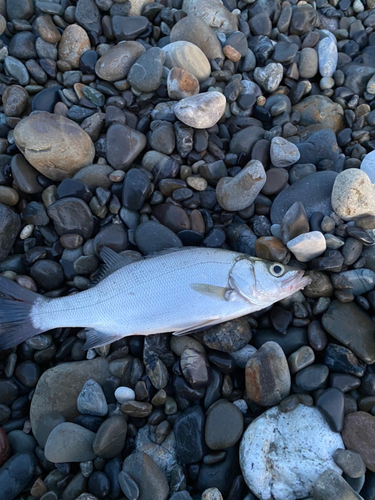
<point x="189" y="432"/>
<point x="341" y="359"/>
<point x="117" y="61"/>
<point x="300" y="359"/>
<point x="71" y="215"/>
<point x="294" y="223"/>
<point x="195" y="368"/>
<point x="224" y="425"/>
<point x="228" y="336"/>
<point x="312" y="378"/>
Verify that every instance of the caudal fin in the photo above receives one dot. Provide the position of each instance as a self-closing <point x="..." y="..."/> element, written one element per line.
<point x="15" y="322"/>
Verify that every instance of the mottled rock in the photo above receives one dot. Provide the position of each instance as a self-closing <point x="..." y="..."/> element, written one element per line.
<point x="74" y="42"/>
<point x="187" y="56"/>
<point x="320" y="109"/>
<point x="146" y="73"/>
<point x="201" y="110"/>
<point x="269" y="77"/>
<point x="353" y="195"/>
<point x="123" y="145"/>
<point x="214" y="13"/>
<point x="327" y="53"/>
<point x="283" y="152"/>
<point x="307" y="246"/>
<point x="152" y="482"/>
<point x="181" y="84"/>
<point x="56" y="146"/>
<point x="117" y="61"/>
<point x="330" y="485"/>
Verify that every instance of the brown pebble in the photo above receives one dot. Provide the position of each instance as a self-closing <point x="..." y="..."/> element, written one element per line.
<point x="181" y="84"/>
<point x="136" y="409"/>
<point x="38" y="489"/>
<point x="231" y="53"/>
<point x="358" y="434"/>
<point x="276" y="180"/>
<point x="197" y="222"/>
<point x="4" y="447"/>
<point x="26" y="282"/>
<point x="71" y="241"/>
<point x="270" y="248"/>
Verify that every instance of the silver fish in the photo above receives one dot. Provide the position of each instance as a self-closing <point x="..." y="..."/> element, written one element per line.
<point x="180" y="292"/>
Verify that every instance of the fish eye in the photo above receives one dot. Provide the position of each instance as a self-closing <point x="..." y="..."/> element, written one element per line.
<point x="277" y="270"/>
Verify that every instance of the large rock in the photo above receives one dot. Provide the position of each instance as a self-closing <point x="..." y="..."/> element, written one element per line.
<point x="283" y="454"/>
<point x="58" y="388"/>
<point x="10" y="224"/>
<point x="353" y="195"/>
<point x="359" y="435"/>
<point x="214" y="13"/>
<point x="314" y="191"/>
<point x="117" y="61"/>
<point x="56" y="146"/>
<point x="193" y="29"/>
<point x="350" y="325"/>
<point x="320" y="109"/>
<point x="74" y="42"/>
<point x="187" y="56"/>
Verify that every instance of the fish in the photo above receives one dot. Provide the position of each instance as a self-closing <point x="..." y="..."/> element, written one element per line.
<point x="179" y="292"/>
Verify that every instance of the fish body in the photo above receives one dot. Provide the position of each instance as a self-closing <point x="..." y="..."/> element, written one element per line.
<point x="178" y="292"/>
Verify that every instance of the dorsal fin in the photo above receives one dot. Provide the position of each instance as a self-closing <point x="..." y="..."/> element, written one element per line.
<point x="112" y="262"/>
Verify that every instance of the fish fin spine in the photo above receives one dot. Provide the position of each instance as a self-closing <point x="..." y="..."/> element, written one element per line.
<point x="16" y="322"/>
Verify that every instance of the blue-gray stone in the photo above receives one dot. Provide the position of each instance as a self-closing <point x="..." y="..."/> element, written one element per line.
<point x="363" y="280"/>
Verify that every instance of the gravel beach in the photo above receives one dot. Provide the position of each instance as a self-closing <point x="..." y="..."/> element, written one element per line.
<point x="146" y="127"/>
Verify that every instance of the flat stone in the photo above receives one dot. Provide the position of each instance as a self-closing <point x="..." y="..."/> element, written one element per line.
<point x="172" y="216"/>
<point x="146" y="73"/>
<point x="69" y="442"/>
<point x="330" y="484"/>
<point x="353" y="195"/>
<point x="307" y="246"/>
<point x="71" y="216"/>
<point x="283" y="152"/>
<point x="56" y="146"/>
<point x="214" y="13"/>
<point x="19" y="9"/>
<point x="339" y="321"/>
<point x="189" y="432"/>
<point x="317" y="109"/>
<point x="17" y="70"/>
<point x="147" y="474"/>
<point x="224" y="425"/>
<point x="115" y="64"/>
<point x="331" y="404"/>
<point x="316" y="143"/>
<point x="228" y="336"/>
<point x="110" y="438"/>
<point x="73" y="44"/>
<point x="129" y="27"/>
<point x="359" y="435"/>
<point x="273" y="459"/>
<point x="327" y="54"/>
<point x="308" y="63"/>
<point x="187" y="56"/>
<point x="267" y="375"/>
<point x="58" y="388"/>
<point x="88" y="16"/>
<point x="195" y="30"/>
<point x="10" y="225"/>
<point x="123" y="145"/>
<point x="201" y="110"/>
<point x="350" y="462"/>
<point x="239" y="192"/>
<point x="313" y="191"/>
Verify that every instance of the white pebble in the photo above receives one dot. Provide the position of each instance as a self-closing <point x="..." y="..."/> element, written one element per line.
<point x="123" y="394"/>
<point x="27" y="231"/>
<point x="307" y="246"/>
<point x="241" y="405"/>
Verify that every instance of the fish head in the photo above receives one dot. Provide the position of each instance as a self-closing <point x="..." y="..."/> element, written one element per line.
<point x="262" y="282"/>
<point x="275" y="281"/>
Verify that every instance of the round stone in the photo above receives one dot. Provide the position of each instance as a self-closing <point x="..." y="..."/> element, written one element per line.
<point x="359" y="435"/>
<point x="224" y="425"/>
<point x="273" y="452"/>
<point x="307" y="246"/>
<point x="69" y="442"/>
<point x="308" y="63"/>
<point x="73" y="44"/>
<point x="181" y="84"/>
<point x="123" y="394"/>
<point x="201" y="110"/>
<point x="110" y="438"/>
<point x="353" y="195"/>
<point x="269" y="77"/>
<point x="283" y="152"/>
<point x="116" y="62"/>
<point x="150" y="479"/>
<point x="146" y="73"/>
<point x="15" y="100"/>
<point x="56" y="146"/>
<point x="187" y="56"/>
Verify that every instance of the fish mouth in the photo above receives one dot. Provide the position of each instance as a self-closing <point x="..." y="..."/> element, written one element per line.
<point x="297" y="282"/>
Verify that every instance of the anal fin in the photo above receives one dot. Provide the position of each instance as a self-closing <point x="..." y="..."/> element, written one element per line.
<point x="94" y="338"/>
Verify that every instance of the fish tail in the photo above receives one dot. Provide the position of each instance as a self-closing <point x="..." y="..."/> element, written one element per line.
<point x="16" y="323"/>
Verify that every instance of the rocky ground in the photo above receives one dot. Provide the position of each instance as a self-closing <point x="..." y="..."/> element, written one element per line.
<point x="144" y="126"/>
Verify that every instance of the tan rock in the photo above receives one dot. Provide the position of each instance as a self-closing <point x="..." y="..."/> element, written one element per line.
<point x="214" y="13"/>
<point x="320" y="109"/>
<point x="56" y="146"/>
<point x="181" y="84"/>
<point x="231" y="53"/>
<point x="201" y="110"/>
<point x="353" y="195"/>
<point x="136" y="7"/>
<point x="74" y="42"/>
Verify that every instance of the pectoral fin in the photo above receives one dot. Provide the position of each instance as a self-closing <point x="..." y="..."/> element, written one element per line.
<point x="94" y="338"/>
<point x="219" y="292"/>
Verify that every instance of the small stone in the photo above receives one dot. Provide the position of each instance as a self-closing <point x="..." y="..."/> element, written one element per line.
<point x="277" y="179"/>
<point x="267" y="375"/>
<point x="201" y="110"/>
<point x="136" y="409"/>
<point x="181" y="84"/>
<point x="239" y="192"/>
<point x="129" y="27"/>
<point x="148" y="476"/>
<point x="91" y="400"/>
<point x="15" y="100"/>
<point x="308" y="64"/>
<point x="152" y="237"/>
<point x="56" y="146"/>
<point x="123" y="145"/>
<point x="116" y="62"/>
<point x="212" y="494"/>
<point x="228" y="336"/>
<point x="146" y="73"/>
<point x="128" y="486"/>
<point x="294" y="223"/>
<point x="331" y="403"/>
<point x="283" y="152"/>
<point x="316" y="109"/>
<point x="110" y="438"/>
<point x="307" y="246"/>
<point x="124" y="394"/>
<point x="189" y="432"/>
<point x="270" y="248"/>
<point x="24" y="175"/>
<point x="284" y="473"/>
<point x="71" y="215"/>
<point x="195" y="368"/>
<point x="367" y="165"/>
<point x="187" y="56"/>
<point x="345" y="200"/>
<point x="224" y="425"/>
<point x="17" y="70"/>
<point x="303" y="357"/>
<point x="69" y="442"/>
<point x="16" y="474"/>
<point x="88" y="16"/>
<point x="214" y="13"/>
<point x="269" y="77"/>
<point x="330" y="484"/>
<point x="350" y="462"/>
<point x="73" y="44"/>
<point x="8" y="196"/>
<point x="327" y="53"/>
<point x="5" y="450"/>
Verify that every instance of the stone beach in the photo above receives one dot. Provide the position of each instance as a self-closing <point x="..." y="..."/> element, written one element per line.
<point x="144" y="126"/>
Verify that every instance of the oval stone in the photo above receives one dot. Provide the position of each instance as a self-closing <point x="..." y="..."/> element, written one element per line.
<point x="69" y="442"/>
<point x="201" y="110"/>
<point x="56" y="146"/>
<point x="188" y="56"/>
<point x="74" y="42"/>
<point x="117" y="61"/>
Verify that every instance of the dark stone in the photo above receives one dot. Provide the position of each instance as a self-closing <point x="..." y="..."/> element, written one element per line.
<point x="46" y="99"/>
<point x="47" y="274"/>
<point x="152" y="237"/>
<point x="229" y="336"/>
<point x="71" y="216"/>
<point x="147" y="474"/>
<point x="290" y="342"/>
<point x="88" y="16"/>
<point x="22" y="45"/>
<point x="312" y="378"/>
<point x="99" y="485"/>
<point x="74" y="188"/>
<point x="15" y="475"/>
<point x="342" y="360"/>
<point x="219" y="475"/>
<point x="136" y="189"/>
<point x="189" y="433"/>
<point x="123" y="145"/>
<point x="224" y="425"/>
<point x="10" y="225"/>
<point x="129" y="28"/>
<point x="331" y="404"/>
<point x="8" y="392"/>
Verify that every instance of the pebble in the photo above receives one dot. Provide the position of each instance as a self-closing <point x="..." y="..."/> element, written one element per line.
<point x="128" y="486"/>
<point x="123" y="145"/>
<point x="320" y="109"/>
<point x="146" y="73"/>
<point x="331" y="404"/>
<point x="115" y="64"/>
<point x="189" y="432"/>
<point x="331" y="483"/>
<point x="290" y="475"/>
<point x="15" y="100"/>
<point x="54" y="145"/>
<point x="202" y="110"/>
<point x="283" y="152"/>
<point x="224" y="425"/>
<point x="181" y="84"/>
<point x="124" y="394"/>
<point x="267" y="375"/>
<point x="350" y="462"/>
<point x="15" y="475"/>
<point x="110" y="438"/>
<point x="345" y="201"/>
<point x="187" y="56"/>
<point x="269" y="77"/>
<point x="195" y="368"/>
<point x="214" y="13"/>
<point x="212" y="494"/>
<point x="270" y="248"/>
<point x="327" y="54"/>
<point x="150" y="479"/>
<point x="69" y="442"/>
<point x="239" y="192"/>
<point x="91" y="400"/>
<point x="303" y="357"/>
<point x="307" y="246"/>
